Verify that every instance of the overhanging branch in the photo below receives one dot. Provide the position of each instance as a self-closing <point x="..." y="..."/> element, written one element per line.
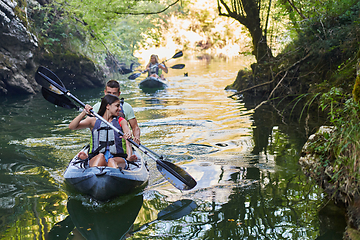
<point x="296" y="9"/>
<point x="266" y="83"/>
<point x="147" y="13"/>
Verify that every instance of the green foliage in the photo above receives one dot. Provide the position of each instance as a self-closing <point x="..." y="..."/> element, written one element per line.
<point x="95" y="28"/>
<point x="311" y="9"/>
<point x="330" y="39"/>
<point x="356" y="90"/>
<point x="20" y="11"/>
<point x="339" y="150"/>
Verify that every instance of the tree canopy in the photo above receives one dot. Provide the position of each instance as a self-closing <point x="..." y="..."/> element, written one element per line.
<point x="95" y="27"/>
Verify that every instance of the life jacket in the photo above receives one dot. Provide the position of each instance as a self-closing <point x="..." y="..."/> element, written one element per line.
<point x="105" y="138"/>
<point x="95" y="149"/>
<point x="154" y="70"/>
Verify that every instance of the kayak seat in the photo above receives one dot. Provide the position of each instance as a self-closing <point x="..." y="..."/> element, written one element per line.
<point x="83" y="163"/>
<point x="130" y="162"/>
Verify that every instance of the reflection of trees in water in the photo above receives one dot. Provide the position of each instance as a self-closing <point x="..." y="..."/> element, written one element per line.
<point x="295" y="120"/>
<point x="264" y="121"/>
<point x="283" y="205"/>
<point x="272" y="209"/>
<point x="277" y="206"/>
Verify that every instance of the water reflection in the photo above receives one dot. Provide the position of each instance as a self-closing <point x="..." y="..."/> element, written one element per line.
<point x="97" y="222"/>
<point x="175" y="211"/>
<point x="154" y="90"/>
<point x="250" y="204"/>
<point x="112" y="221"/>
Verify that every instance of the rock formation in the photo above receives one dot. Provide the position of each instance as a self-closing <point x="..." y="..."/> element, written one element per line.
<point x="19" y="48"/>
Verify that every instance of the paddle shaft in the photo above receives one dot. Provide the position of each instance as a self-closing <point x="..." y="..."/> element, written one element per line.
<point x="140" y="147"/>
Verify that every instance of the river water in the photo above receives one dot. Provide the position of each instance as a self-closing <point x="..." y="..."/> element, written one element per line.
<point x="250" y="185"/>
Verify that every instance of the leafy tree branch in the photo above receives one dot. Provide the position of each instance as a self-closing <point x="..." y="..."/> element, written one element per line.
<point x="146" y="13"/>
<point x="296" y="9"/>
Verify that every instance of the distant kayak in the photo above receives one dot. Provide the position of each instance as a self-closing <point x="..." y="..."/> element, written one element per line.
<point x="153" y="82"/>
<point x="104" y="183"/>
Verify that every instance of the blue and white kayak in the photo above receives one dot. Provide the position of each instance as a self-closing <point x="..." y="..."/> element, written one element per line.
<point x="152" y="82"/>
<point x="104" y="183"/>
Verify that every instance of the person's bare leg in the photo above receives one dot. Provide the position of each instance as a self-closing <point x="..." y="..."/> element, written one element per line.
<point x="117" y="162"/>
<point x="132" y="158"/>
<point x="98" y="160"/>
<point x="82" y="155"/>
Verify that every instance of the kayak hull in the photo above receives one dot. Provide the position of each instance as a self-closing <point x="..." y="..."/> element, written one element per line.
<point x="105" y="183"/>
<point x="152" y="82"/>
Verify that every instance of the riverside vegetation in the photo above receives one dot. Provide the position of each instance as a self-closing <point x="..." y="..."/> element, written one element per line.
<point x="320" y="68"/>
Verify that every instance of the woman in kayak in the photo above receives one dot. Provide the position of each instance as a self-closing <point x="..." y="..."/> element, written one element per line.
<point x="106" y="148"/>
<point x="155" y="68"/>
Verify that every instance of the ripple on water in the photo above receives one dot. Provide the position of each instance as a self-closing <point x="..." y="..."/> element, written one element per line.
<point x="191" y="149"/>
<point x="173" y="122"/>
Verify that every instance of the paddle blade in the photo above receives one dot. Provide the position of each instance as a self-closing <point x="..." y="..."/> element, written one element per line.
<point x="134" y="76"/>
<point x="176" y="175"/>
<point x="46" y="78"/>
<point x="177" y="210"/>
<point x="59" y="100"/>
<point x="178" y="54"/>
<point x="178" y="66"/>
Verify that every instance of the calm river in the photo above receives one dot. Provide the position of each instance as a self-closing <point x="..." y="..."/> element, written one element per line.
<point x="250" y="185"/>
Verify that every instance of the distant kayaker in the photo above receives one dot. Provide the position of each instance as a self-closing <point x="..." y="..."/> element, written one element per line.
<point x="155" y="68"/>
<point x="106" y="148"/>
<point x="113" y="87"/>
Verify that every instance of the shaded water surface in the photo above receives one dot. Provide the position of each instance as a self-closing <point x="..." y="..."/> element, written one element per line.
<point x="250" y="185"/>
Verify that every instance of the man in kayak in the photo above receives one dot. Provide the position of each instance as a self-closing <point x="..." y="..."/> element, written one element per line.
<point x="106" y="148"/>
<point x="113" y="87"/>
<point x="155" y="68"/>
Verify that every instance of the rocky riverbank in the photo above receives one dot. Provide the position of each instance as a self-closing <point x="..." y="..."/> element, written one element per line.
<point x="344" y="196"/>
<point x="21" y="54"/>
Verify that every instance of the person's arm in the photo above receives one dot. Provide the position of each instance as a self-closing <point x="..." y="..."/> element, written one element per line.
<point x="126" y="130"/>
<point x="78" y="123"/>
<point x="130" y="116"/>
<point x="135" y="130"/>
<point x="164" y="67"/>
<point x="127" y="134"/>
<point x="129" y="151"/>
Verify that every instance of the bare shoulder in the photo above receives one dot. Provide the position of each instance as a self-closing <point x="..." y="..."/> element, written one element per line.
<point x="89" y="121"/>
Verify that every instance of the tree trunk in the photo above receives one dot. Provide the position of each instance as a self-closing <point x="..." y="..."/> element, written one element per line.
<point x="247" y="12"/>
<point x="261" y="51"/>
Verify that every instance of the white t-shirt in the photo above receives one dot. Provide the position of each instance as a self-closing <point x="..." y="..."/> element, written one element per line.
<point x="128" y="110"/>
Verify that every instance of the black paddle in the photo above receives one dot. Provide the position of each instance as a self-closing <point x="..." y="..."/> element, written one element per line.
<point x="174" y="211"/>
<point x="177" y="66"/>
<point x="59" y="100"/>
<point x="174" y="174"/>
